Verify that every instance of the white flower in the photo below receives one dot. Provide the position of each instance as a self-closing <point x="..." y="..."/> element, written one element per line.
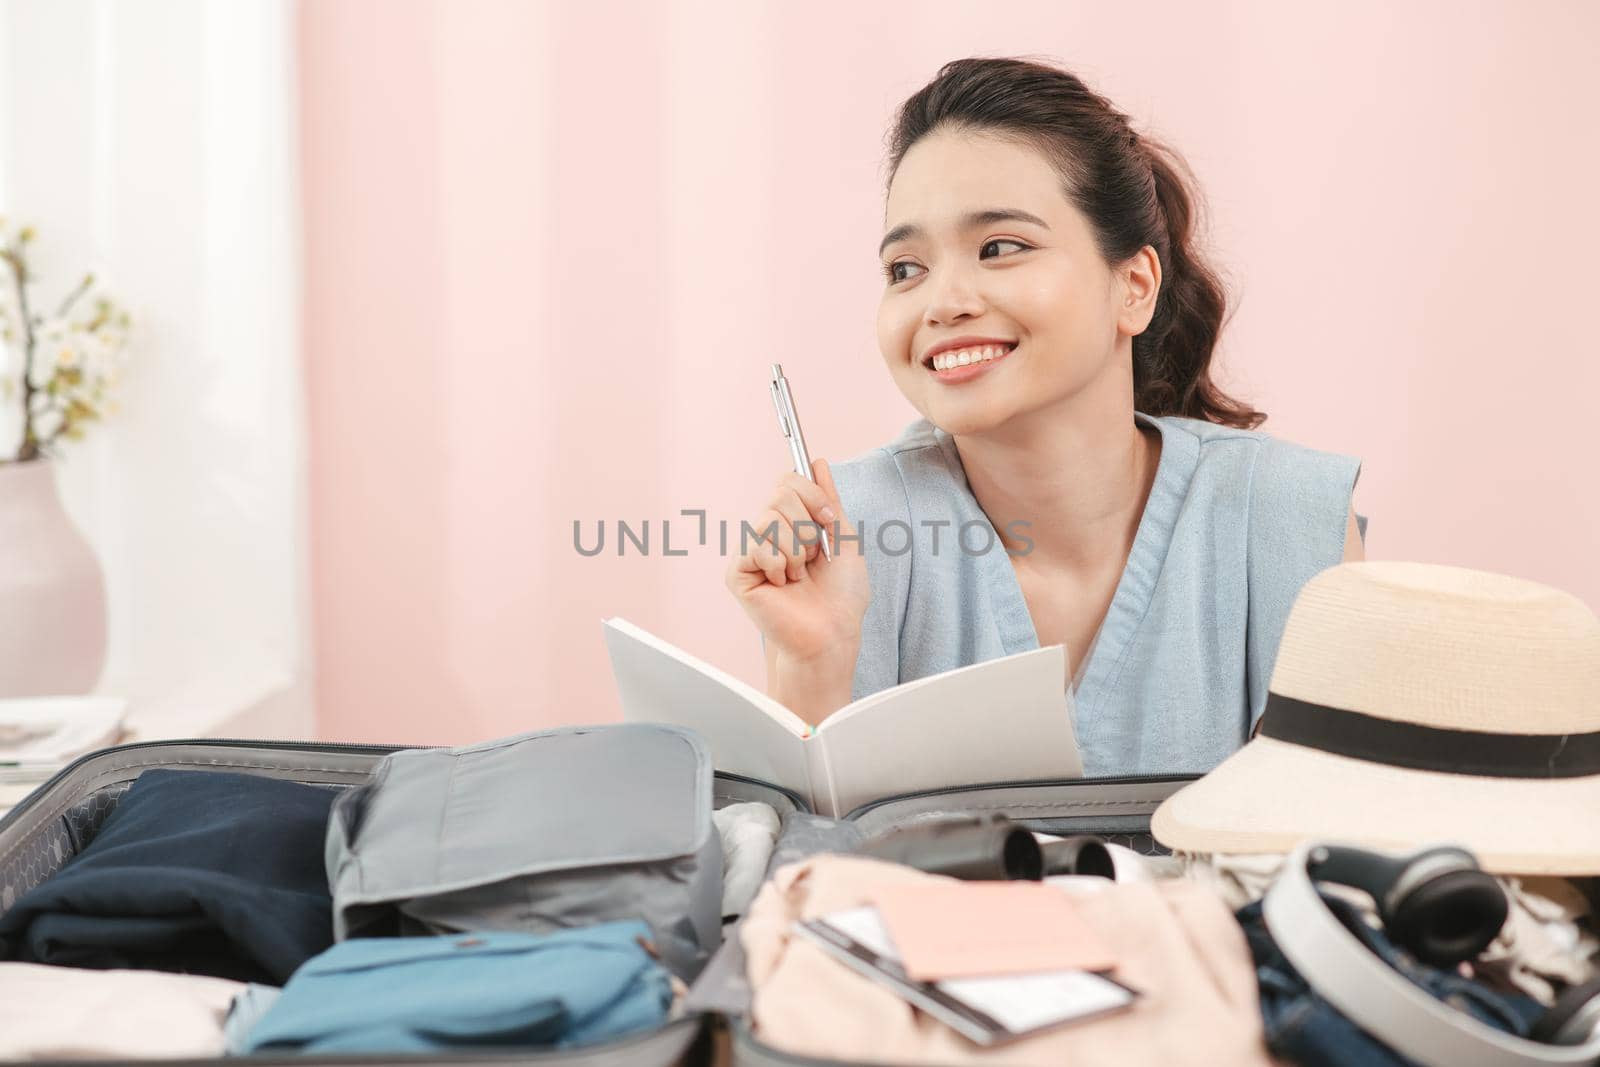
<point x="74" y="370"/>
<point x="47" y="424"/>
<point x="41" y="372"/>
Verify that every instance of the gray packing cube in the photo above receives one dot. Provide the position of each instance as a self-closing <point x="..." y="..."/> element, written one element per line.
<point x="536" y="833"/>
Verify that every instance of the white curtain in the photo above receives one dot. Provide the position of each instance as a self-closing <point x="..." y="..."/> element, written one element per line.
<point x="154" y="142"/>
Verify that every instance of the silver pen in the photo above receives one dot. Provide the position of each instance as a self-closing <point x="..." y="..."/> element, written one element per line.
<point x="789" y="422"/>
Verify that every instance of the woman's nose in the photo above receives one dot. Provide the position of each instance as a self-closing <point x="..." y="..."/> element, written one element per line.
<point x="952" y="296"/>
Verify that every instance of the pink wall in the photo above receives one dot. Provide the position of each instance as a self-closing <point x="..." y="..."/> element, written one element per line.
<point x="551" y="249"/>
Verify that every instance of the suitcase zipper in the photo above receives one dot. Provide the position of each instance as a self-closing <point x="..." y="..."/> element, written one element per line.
<point x="27" y="802"/>
<point x="315" y="746"/>
<point x="1049" y="783"/>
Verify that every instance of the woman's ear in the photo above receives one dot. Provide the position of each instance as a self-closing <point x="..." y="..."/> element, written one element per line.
<point x="1139" y="280"/>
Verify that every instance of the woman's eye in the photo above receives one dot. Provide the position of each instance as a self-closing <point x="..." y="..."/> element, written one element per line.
<point x="1001" y="241"/>
<point x="893" y="270"/>
<point x="899" y="270"/>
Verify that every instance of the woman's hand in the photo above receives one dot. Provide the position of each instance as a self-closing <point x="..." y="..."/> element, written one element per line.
<point x="807" y="606"/>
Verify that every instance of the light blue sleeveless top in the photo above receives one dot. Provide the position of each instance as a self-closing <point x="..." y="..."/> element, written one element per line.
<point x="1235" y="524"/>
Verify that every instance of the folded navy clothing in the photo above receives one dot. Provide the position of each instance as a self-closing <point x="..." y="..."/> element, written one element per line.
<point x="1304" y="1029"/>
<point x="203" y="872"/>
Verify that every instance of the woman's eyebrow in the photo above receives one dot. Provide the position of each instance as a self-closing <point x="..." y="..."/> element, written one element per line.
<point x="970" y="221"/>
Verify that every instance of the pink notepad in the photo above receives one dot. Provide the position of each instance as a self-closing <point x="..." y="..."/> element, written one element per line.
<point x="970" y="929"/>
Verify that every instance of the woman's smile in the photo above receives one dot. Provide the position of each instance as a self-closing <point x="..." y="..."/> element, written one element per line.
<point x="954" y="366"/>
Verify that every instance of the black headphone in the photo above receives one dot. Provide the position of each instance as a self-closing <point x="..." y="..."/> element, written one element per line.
<point x="1436" y="902"/>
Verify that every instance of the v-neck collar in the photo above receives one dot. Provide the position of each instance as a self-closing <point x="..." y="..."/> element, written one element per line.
<point x="1180" y="455"/>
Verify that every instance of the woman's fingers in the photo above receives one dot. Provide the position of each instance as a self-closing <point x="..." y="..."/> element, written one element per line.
<point x="766" y="547"/>
<point x="772" y="547"/>
<point x="813" y="497"/>
<point x="799" y="535"/>
<point x="788" y="535"/>
<point x="824" y="476"/>
<point x="822" y="503"/>
<point x="758" y="567"/>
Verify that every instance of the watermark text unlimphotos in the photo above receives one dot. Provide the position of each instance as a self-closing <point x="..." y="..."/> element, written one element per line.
<point x="975" y="537"/>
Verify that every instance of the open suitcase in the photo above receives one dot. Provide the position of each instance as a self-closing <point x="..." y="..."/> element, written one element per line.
<point x="53" y="823"/>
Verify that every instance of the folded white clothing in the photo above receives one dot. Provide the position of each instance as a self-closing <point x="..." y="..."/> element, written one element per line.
<point x="749" y="832"/>
<point x="1547" y="943"/>
<point x="1239" y="878"/>
<point x="71" y="1013"/>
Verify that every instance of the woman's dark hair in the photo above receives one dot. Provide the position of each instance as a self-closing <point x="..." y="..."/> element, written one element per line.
<point x="1133" y="191"/>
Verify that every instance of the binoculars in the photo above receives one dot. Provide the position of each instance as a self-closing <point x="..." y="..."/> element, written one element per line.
<point x="988" y="848"/>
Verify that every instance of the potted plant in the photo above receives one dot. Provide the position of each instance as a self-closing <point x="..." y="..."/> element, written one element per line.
<point x="58" y="372"/>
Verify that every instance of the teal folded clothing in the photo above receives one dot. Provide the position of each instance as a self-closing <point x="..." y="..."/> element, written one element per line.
<point x="422" y="994"/>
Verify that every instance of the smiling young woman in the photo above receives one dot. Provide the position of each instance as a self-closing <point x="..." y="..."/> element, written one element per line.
<point x="1046" y="311"/>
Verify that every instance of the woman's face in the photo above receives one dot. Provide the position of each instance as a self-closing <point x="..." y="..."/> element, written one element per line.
<point x="984" y="245"/>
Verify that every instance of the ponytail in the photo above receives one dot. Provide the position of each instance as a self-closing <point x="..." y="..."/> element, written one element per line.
<point x="1172" y="357"/>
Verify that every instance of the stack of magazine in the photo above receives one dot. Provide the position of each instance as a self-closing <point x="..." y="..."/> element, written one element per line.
<point x="40" y="735"/>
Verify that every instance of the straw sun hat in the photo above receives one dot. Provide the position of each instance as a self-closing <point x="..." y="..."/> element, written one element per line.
<point x="1414" y="704"/>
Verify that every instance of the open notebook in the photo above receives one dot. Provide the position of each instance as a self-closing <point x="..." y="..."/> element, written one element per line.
<point x="1007" y="719"/>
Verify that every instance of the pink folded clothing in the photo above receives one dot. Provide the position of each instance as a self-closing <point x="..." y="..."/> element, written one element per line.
<point x="1005" y="928"/>
<point x="1174" y="941"/>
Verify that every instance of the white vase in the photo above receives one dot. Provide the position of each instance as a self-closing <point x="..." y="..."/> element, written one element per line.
<point x="52" y="591"/>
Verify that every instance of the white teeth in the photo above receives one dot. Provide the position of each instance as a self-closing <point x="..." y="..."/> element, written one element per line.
<point x="946" y="360"/>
